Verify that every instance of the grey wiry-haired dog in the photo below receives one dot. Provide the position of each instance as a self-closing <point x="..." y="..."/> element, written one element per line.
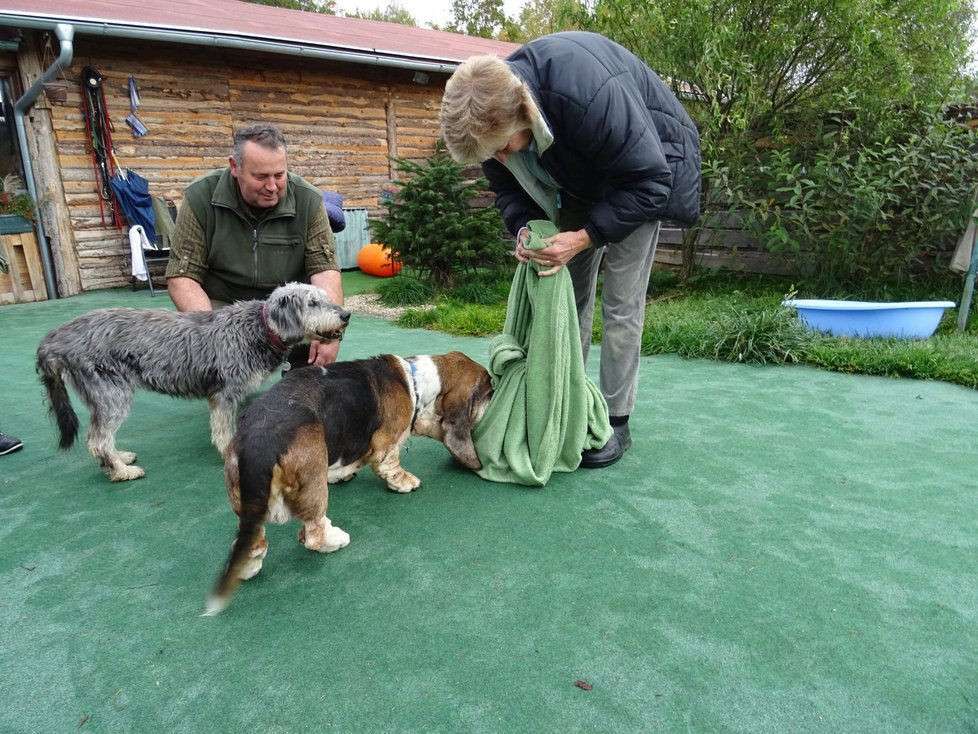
<point x="222" y="355"/>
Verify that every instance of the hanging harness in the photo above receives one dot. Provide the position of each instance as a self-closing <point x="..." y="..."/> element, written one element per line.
<point x="99" y="128"/>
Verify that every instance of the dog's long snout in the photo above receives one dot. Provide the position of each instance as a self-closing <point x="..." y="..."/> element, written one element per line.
<point x="337" y="331"/>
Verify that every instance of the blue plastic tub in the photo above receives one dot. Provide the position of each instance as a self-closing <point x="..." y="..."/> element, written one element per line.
<point x="907" y="320"/>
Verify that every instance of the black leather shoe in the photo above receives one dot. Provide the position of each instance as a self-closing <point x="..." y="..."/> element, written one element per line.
<point x="9" y="444"/>
<point x="608" y="454"/>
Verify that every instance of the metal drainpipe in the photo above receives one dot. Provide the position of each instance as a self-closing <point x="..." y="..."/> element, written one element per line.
<point x="65" y="34"/>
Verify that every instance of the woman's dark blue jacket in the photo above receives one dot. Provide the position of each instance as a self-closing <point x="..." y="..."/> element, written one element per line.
<point x="624" y="149"/>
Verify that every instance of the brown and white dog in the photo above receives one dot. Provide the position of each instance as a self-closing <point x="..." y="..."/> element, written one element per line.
<point x="320" y="424"/>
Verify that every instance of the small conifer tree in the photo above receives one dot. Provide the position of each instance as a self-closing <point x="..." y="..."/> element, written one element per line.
<point x="432" y="225"/>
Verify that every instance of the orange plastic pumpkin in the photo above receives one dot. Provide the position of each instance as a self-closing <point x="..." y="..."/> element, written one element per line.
<point x="375" y="259"/>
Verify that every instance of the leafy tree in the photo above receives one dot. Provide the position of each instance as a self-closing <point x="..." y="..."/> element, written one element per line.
<point x="761" y="75"/>
<point x="432" y="225"/>
<point x="541" y="17"/>
<point x="482" y="18"/>
<point x="393" y="13"/>
<point x="326" y="7"/>
<point x="760" y="59"/>
<point x="868" y="208"/>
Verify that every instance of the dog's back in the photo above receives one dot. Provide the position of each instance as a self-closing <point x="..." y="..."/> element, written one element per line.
<point x="342" y="398"/>
<point x="107" y="354"/>
<point x="314" y="418"/>
<point x="319" y="424"/>
<point x="153" y="348"/>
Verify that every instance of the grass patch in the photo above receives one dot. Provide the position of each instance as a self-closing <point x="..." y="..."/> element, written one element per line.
<point x="731" y="328"/>
<point x="948" y="357"/>
<point x="464" y="319"/>
<point x="405" y="290"/>
<point x="735" y="318"/>
<point x="357" y="281"/>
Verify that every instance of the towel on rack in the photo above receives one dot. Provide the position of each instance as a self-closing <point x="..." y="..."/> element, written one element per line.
<point x="961" y="260"/>
<point x="137" y="243"/>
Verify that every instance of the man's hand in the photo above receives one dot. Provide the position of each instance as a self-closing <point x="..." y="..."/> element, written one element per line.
<point x="321" y="353"/>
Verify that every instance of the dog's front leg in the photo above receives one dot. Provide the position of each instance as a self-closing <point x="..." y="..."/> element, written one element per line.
<point x="390" y="470"/>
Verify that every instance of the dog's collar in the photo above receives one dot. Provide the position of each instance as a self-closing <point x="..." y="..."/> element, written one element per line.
<point x="414" y="387"/>
<point x="276" y="339"/>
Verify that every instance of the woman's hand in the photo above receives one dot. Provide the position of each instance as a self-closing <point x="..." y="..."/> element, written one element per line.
<point x="560" y="249"/>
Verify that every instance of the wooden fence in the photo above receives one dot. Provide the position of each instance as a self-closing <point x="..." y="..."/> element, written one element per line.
<point x="722" y="243"/>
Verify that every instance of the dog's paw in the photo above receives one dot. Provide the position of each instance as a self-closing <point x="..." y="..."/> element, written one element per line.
<point x="127" y="457"/>
<point x="335" y="538"/>
<point x="402" y="481"/>
<point x="126" y="473"/>
<point x="323" y="536"/>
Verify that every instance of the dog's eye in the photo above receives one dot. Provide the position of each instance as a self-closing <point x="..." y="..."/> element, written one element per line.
<point x="314" y="303"/>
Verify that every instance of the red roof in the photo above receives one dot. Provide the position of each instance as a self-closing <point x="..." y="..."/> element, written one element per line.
<point x="229" y="21"/>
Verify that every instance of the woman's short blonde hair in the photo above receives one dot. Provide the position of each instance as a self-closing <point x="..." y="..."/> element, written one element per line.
<point x="484" y="104"/>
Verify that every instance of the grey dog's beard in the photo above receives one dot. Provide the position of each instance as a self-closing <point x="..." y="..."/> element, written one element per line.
<point x="331" y="336"/>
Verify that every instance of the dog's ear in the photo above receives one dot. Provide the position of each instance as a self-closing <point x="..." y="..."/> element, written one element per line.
<point x="467" y="389"/>
<point x="285" y="309"/>
<point x="458" y="441"/>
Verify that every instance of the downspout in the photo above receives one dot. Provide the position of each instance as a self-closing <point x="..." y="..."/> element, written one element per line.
<point x="65" y="34"/>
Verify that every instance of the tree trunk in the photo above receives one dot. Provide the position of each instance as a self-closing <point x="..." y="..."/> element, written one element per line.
<point x="690" y="237"/>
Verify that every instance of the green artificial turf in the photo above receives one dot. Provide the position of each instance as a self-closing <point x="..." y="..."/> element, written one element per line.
<point x="782" y="550"/>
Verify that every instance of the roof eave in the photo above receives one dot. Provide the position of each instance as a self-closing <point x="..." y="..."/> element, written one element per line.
<point x="217" y="39"/>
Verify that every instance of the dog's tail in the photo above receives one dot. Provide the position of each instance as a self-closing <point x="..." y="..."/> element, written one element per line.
<point x="58" y="402"/>
<point x="253" y="491"/>
<point x="219" y="599"/>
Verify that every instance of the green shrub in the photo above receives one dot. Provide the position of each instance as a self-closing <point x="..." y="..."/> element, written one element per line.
<point x="770" y="335"/>
<point x="417" y="318"/>
<point x="731" y="326"/>
<point x="868" y="207"/>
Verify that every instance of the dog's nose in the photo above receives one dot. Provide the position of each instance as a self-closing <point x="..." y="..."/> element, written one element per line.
<point x="344" y="316"/>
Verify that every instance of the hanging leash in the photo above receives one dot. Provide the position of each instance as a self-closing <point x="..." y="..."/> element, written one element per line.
<point x="99" y="128"/>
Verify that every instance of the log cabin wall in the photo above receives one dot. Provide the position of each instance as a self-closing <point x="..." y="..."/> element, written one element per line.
<point x="341" y="122"/>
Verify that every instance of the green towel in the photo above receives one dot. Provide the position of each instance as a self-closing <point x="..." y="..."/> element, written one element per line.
<point x="544" y="410"/>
